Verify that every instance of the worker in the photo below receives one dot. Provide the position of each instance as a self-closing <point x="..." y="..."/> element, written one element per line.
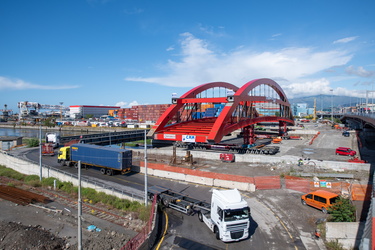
<point x="317" y="234"/>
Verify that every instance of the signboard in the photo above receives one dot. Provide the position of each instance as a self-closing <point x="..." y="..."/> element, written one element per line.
<point x="188" y="138"/>
<point x="169" y="136"/>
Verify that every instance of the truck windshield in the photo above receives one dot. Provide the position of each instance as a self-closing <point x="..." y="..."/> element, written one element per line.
<point x="236" y="214"/>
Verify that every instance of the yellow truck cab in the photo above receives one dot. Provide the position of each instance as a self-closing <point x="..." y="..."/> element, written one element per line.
<point x="64" y="155"/>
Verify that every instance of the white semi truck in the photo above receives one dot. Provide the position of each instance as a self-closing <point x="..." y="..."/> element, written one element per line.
<point x="228" y="214"/>
<point x="53" y="138"/>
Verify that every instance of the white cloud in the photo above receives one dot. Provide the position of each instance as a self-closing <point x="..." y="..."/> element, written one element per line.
<point x="17" y="84"/>
<point x="360" y="71"/>
<point x="317" y="87"/>
<point x="123" y="104"/>
<point x="199" y="64"/>
<point x="346" y="39"/>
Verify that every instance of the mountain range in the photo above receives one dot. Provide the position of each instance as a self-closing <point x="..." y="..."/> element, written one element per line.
<point x="326" y="101"/>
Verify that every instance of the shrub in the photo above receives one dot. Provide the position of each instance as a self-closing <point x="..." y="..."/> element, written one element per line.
<point x="33" y="180"/>
<point x="334" y="245"/>
<point x="50" y="182"/>
<point x="342" y="211"/>
<point x="10" y="173"/>
<point x="32" y="142"/>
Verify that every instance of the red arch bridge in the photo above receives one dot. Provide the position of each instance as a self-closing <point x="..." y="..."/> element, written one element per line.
<point x="208" y="112"/>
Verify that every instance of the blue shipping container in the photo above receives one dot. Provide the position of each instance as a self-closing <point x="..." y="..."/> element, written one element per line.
<point x="99" y="156"/>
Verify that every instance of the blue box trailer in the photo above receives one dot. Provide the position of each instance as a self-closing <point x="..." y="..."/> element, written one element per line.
<point x="109" y="160"/>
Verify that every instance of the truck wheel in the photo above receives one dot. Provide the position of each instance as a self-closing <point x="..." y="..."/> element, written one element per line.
<point x="102" y="170"/>
<point x="62" y="163"/>
<point x="109" y="172"/>
<point x="165" y="202"/>
<point x="217" y="233"/>
<point x="200" y="216"/>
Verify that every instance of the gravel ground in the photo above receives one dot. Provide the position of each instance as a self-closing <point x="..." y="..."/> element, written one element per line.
<point x="54" y="226"/>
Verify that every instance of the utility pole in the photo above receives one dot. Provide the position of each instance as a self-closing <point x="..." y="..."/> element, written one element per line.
<point x="79" y="208"/>
<point x="40" y="153"/>
<point x="331" y="105"/>
<point x="61" y="103"/>
<point x="145" y="168"/>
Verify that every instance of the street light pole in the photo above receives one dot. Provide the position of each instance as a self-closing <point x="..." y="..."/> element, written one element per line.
<point x="145" y="158"/>
<point x="331" y="105"/>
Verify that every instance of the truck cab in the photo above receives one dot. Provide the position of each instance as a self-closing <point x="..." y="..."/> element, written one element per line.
<point x="63" y="156"/>
<point x="229" y="216"/>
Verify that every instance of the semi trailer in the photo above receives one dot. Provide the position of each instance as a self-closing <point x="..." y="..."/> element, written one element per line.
<point x="241" y="149"/>
<point x="228" y="214"/>
<point x="109" y="160"/>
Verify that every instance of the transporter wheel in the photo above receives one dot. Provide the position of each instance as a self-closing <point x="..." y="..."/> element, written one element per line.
<point x="109" y="172"/>
<point x="217" y="233"/>
<point x="151" y="197"/>
<point x="102" y="170"/>
<point x="200" y="216"/>
<point x="165" y="202"/>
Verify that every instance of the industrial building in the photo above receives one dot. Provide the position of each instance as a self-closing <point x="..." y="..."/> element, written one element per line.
<point x="81" y="111"/>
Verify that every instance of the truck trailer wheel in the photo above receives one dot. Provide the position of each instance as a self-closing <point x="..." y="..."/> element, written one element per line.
<point x="109" y="172"/>
<point x="200" y="216"/>
<point x="102" y="170"/>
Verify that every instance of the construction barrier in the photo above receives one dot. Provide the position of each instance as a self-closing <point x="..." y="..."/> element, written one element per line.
<point x="267" y="182"/>
<point x="361" y="192"/>
<point x="297" y="183"/>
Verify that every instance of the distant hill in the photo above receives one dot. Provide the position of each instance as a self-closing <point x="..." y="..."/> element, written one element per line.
<point x="325" y="101"/>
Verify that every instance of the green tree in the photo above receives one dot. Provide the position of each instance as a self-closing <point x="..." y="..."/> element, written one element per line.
<point x="49" y="122"/>
<point x="32" y="142"/>
<point x="342" y="211"/>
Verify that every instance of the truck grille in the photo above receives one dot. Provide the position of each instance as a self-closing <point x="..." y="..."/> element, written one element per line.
<point x="236" y="235"/>
<point x="237" y="227"/>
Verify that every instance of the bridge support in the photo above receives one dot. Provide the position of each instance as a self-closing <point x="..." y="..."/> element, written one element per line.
<point x="282" y="128"/>
<point x="248" y="135"/>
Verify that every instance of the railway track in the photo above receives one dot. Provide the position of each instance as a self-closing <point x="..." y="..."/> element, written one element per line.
<point x="25" y="197"/>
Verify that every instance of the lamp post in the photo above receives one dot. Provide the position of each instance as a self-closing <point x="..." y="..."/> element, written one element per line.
<point x="61" y="103"/>
<point x="331" y="104"/>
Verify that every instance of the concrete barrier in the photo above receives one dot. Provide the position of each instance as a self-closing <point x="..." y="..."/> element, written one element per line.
<point x="347" y="233"/>
<point x="29" y="168"/>
<point x="251" y="158"/>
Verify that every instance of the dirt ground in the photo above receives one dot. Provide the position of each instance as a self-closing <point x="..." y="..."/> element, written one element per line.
<point x="54" y="226"/>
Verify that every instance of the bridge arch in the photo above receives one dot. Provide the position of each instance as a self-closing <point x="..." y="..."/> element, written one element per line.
<point x="237" y="108"/>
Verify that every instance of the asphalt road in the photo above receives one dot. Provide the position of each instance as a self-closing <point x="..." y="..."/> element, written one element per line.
<point x="278" y="219"/>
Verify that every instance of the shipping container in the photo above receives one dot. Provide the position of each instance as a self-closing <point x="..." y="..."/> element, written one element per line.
<point x="108" y="159"/>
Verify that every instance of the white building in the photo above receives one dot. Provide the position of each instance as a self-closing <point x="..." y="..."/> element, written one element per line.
<point x="80" y="111"/>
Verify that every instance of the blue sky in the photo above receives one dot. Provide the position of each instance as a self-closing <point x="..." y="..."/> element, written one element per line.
<point x="117" y="52"/>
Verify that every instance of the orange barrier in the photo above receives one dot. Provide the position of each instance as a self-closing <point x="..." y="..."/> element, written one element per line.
<point x="312" y="140"/>
<point x="297" y="183"/>
<point x="361" y="192"/>
<point x="267" y="182"/>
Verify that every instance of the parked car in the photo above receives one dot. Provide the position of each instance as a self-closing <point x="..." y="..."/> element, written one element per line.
<point x="346" y="133"/>
<point x="345" y="151"/>
<point x="319" y="199"/>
